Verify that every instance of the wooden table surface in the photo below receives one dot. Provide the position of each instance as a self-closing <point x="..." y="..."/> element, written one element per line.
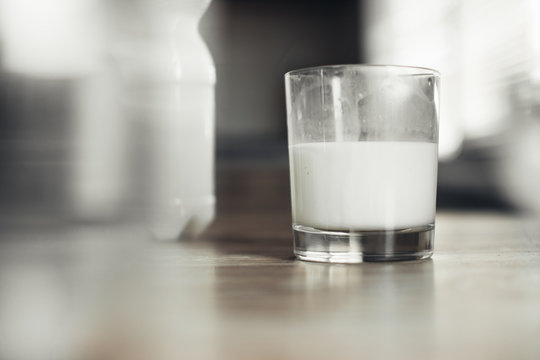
<point x="90" y="292"/>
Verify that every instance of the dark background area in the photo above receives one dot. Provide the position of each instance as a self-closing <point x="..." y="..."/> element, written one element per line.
<point x="254" y="43"/>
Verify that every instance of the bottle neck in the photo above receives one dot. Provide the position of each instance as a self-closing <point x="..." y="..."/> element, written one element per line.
<point x="145" y="19"/>
<point x="167" y="25"/>
<point x="160" y="43"/>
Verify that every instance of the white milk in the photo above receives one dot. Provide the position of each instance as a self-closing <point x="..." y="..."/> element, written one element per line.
<point x="367" y="185"/>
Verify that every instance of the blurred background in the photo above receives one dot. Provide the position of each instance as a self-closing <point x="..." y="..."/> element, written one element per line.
<point x="76" y="76"/>
<point x="487" y="53"/>
<point x="115" y="111"/>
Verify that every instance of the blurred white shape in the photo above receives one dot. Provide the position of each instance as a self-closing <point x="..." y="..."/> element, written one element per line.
<point x="166" y="85"/>
<point x="481" y="48"/>
<point x="64" y="40"/>
<point x="489" y="55"/>
<point x="534" y="38"/>
<point x="420" y="33"/>
<point x="51" y="38"/>
<point x="99" y="171"/>
<point x="493" y="58"/>
<point x="141" y="95"/>
<point x="519" y="170"/>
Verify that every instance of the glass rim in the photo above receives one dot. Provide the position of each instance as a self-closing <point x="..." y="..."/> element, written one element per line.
<point x="413" y="70"/>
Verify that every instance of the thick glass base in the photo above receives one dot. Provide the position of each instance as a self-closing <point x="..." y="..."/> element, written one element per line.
<point x="312" y="244"/>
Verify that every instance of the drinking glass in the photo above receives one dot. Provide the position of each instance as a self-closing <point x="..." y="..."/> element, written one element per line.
<point x="363" y="161"/>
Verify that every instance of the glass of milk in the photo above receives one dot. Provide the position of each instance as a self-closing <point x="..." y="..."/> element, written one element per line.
<point x="363" y="161"/>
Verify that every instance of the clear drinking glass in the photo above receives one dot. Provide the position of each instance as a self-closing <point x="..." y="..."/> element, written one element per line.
<point x="363" y="161"/>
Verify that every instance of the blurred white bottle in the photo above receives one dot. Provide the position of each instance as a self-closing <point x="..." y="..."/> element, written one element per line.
<point x="166" y="86"/>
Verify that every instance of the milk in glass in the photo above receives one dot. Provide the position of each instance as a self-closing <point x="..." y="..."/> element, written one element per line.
<point x="364" y="185"/>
